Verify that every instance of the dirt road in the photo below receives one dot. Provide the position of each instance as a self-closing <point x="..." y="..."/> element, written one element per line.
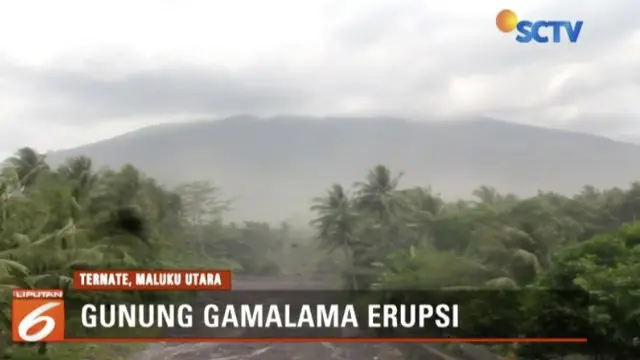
<point x="280" y="351"/>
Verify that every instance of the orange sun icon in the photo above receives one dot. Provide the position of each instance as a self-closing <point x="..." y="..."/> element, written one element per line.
<point x="506" y="20"/>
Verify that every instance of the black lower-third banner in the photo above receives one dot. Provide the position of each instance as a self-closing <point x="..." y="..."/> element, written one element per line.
<point x="338" y="314"/>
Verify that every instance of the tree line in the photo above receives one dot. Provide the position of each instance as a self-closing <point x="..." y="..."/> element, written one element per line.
<point x="55" y="220"/>
<point x="395" y="238"/>
<point x="374" y="234"/>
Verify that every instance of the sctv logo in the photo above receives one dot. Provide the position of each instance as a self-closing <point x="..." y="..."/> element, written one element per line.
<point x="542" y="31"/>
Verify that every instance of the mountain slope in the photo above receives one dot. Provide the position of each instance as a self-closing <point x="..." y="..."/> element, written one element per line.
<point x="275" y="166"/>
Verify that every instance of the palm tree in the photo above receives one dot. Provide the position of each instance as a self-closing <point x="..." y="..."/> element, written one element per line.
<point x="28" y="163"/>
<point x="424" y="208"/>
<point x="487" y="195"/>
<point x="74" y="218"/>
<point x="377" y="194"/>
<point x="79" y="172"/>
<point x="336" y="223"/>
<point x="503" y="248"/>
<point x="381" y="208"/>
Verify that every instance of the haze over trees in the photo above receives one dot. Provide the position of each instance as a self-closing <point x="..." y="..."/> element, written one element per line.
<point x="55" y="220"/>
<point x="285" y="160"/>
<point x="378" y="231"/>
<point x="409" y="238"/>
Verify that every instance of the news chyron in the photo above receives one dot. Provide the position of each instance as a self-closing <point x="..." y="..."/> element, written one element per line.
<point x="39" y="315"/>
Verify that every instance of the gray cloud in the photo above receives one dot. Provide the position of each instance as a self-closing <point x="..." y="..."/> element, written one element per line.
<point x="395" y="58"/>
<point x="75" y="95"/>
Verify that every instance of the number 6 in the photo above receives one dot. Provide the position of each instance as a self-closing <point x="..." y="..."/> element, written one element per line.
<point x="36" y="317"/>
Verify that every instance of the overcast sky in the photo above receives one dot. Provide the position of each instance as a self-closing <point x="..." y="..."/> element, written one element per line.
<point x="73" y="72"/>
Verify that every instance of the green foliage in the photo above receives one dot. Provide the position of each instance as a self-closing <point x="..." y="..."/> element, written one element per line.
<point x="412" y="239"/>
<point x="376" y="234"/>
<point x="53" y="221"/>
<point x="608" y="267"/>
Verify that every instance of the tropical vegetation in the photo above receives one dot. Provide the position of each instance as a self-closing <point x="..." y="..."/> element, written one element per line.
<point x="53" y="221"/>
<point x="375" y="234"/>
<point x="410" y="238"/>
